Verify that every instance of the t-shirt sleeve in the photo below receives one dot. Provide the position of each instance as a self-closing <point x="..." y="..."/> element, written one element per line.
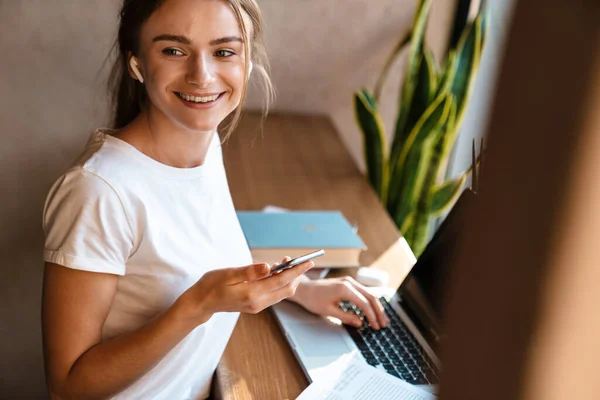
<point x="86" y="225"/>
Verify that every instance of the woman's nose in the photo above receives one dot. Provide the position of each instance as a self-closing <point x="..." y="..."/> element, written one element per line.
<point x="201" y="72"/>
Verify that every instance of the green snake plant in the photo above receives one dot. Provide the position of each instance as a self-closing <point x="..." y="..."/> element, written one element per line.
<point x="409" y="174"/>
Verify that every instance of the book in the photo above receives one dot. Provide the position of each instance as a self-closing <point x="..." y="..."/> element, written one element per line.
<point x="271" y="236"/>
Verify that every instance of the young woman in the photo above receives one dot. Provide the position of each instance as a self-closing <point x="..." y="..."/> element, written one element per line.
<point x="147" y="268"/>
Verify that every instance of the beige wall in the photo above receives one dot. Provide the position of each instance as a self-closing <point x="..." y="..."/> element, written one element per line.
<point x="323" y="51"/>
<point x="52" y="95"/>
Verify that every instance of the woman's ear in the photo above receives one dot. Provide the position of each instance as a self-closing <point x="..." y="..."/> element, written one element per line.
<point x="134" y="68"/>
<point x="250" y="65"/>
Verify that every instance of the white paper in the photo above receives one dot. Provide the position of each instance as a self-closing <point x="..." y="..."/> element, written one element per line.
<point x="351" y="379"/>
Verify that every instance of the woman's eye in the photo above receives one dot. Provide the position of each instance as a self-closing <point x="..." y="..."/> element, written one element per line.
<point x="172" y="52"/>
<point x="224" y="53"/>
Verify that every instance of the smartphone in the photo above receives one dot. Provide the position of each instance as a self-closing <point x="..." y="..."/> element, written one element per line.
<point x="298" y="260"/>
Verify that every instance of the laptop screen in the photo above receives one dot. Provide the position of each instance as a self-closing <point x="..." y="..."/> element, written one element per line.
<point x="422" y="293"/>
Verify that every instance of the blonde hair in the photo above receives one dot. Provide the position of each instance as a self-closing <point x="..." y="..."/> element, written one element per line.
<point x="254" y="49"/>
<point x="129" y="97"/>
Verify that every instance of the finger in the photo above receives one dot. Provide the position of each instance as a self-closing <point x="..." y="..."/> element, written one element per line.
<point x="361" y="302"/>
<point x="285" y="259"/>
<point x="347" y="318"/>
<point x="382" y="318"/>
<point x="248" y="273"/>
<point x="283" y="292"/>
<point x="281" y="279"/>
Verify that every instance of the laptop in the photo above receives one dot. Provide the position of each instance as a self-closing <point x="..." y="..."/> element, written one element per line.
<point x="408" y="347"/>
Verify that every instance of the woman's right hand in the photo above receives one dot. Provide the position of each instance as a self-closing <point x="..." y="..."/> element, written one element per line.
<point x="247" y="289"/>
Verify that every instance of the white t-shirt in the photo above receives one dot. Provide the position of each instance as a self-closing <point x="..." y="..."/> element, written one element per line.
<point x="159" y="228"/>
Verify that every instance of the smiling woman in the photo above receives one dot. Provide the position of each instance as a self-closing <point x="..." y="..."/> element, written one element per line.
<point x="242" y="40"/>
<point x="147" y="268"/>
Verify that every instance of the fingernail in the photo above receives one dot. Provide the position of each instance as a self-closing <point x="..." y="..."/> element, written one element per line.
<point x="376" y="326"/>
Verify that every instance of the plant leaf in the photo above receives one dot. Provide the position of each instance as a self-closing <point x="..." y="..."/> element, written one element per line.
<point x="408" y="235"/>
<point x="414" y="160"/>
<point x="402" y="130"/>
<point x="432" y="72"/>
<point x="404" y="40"/>
<point x="437" y="162"/>
<point x="425" y="88"/>
<point x="432" y="119"/>
<point x="406" y="226"/>
<point x="415" y="186"/>
<point x="447" y="74"/>
<point x="374" y="142"/>
<point x="461" y="18"/>
<point x="446" y="194"/>
<point x="467" y="62"/>
<point x="445" y="145"/>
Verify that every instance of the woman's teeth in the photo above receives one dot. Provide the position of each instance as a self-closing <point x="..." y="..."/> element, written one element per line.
<point x="196" y="99"/>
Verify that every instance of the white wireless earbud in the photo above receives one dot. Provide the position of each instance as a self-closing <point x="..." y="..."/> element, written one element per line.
<point x="136" y="71"/>
<point x="249" y="69"/>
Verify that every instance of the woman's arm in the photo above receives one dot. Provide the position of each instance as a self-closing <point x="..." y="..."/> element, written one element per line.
<point x="78" y="364"/>
<point x="76" y="303"/>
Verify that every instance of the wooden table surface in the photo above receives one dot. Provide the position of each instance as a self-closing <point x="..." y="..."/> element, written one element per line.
<point x="299" y="163"/>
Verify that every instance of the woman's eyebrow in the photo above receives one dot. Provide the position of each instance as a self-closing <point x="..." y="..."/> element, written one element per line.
<point x="185" y="40"/>
<point x="225" y="39"/>
<point x="173" y="38"/>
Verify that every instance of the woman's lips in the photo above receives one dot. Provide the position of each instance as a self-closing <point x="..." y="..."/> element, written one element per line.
<point x="195" y="105"/>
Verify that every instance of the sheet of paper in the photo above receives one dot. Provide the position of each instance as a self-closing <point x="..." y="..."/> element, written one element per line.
<point x="351" y="379"/>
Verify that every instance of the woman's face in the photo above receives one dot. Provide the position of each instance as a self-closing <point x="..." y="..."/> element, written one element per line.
<point x="192" y="61"/>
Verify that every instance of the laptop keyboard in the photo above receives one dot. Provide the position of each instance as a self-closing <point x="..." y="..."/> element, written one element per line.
<point x="393" y="348"/>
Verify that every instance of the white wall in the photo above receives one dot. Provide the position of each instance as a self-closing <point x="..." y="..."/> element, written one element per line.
<point x="477" y="113"/>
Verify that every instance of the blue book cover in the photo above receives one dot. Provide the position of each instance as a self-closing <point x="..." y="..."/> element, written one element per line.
<point x="298" y="229"/>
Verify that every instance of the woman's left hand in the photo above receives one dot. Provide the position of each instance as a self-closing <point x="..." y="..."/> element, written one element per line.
<point x="322" y="297"/>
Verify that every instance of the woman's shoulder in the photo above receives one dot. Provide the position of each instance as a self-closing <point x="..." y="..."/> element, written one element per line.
<point x="78" y="186"/>
<point x="97" y="171"/>
<point x="103" y="156"/>
<point x="89" y="186"/>
<point x="104" y="159"/>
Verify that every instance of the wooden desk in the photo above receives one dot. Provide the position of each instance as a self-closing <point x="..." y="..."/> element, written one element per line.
<point x="299" y="163"/>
